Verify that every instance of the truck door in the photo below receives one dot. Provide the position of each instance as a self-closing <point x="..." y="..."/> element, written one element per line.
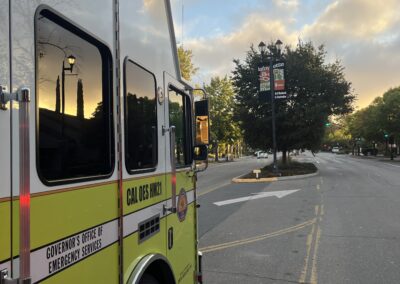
<point x="5" y="141"/>
<point x="62" y="53"/>
<point x="181" y="226"/>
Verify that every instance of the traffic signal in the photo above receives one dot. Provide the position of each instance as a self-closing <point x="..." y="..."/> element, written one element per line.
<point x="386" y="136"/>
<point x="327" y="124"/>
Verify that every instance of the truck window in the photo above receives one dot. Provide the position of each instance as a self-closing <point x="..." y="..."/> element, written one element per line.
<point x="74" y="108"/>
<point x="180" y="116"/>
<point x="140" y="118"/>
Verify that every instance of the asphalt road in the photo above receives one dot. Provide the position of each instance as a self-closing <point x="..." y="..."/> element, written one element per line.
<point x="340" y="226"/>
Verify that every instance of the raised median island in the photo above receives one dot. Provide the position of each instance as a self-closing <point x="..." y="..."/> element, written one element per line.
<point x="291" y="169"/>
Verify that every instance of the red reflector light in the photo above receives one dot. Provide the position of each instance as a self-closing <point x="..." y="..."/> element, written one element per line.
<point x="174" y="179"/>
<point x="25" y="200"/>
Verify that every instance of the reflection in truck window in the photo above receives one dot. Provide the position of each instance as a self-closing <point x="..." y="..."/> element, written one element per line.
<point x="140" y="118"/>
<point x="74" y="108"/>
<point x="179" y="116"/>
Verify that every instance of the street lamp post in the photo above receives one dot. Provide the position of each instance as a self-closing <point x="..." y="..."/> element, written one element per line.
<point x="262" y="48"/>
<point x="71" y="61"/>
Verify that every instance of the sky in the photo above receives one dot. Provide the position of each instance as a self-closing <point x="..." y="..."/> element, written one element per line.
<point x="363" y="34"/>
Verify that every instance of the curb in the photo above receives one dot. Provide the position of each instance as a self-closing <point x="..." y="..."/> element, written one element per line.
<point x="272" y="179"/>
<point x="376" y="158"/>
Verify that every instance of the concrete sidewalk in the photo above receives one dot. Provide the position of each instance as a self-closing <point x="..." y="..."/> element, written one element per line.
<point x="378" y="157"/>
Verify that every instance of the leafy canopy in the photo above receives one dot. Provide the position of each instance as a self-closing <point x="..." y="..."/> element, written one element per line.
<point x="221" y="95"/>
<point x="316" y="91"/>
<point x="185" y="57"/>
<point x="381" y="117"/>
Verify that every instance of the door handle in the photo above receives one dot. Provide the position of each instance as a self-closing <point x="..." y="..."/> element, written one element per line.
<point x="21" y="95"/>
<point x="170" y="238"/>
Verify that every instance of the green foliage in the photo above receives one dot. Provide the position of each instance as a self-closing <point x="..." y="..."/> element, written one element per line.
<point x="380" y="118"/>
<point x="337" y="133"/>
<point x="185" y="63"/>
<point x="223" y="127"/>
<point x="316" y="91"/>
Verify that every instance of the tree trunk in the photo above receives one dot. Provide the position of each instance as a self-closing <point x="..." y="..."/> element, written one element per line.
<point x="284" y="157"/>
<point x="216" y="152"/>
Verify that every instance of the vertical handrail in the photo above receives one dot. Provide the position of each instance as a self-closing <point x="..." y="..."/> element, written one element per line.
<point x="23" y="96"/>
<point x="173" y="168"/>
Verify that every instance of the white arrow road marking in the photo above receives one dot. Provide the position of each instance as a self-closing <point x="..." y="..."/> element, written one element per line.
<point x="279" y="194"/>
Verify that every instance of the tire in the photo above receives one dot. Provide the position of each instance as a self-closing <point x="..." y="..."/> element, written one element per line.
<point x="148" y="279"/>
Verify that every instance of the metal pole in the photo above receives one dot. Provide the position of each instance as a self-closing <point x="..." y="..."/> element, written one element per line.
<point x="62" y="99"/>
<point x="63" y="89"/>
<point x="24" y="184"/>
<point x="386" y="146"/>
<point x="391" y="152"/>
<point x="272" y="87"/>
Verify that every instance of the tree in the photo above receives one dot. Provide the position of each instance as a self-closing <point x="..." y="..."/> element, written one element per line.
<point x="337" y="133"/>
<point x="316" y="90"/>
<point x="366" y="123"/>
<point x="390" y="112"/>
<point x="380" y="118"/>
<point x="80" y="112"/>
<point x="58" y="95"/>
<point x="185" y="63"/>
<point x="223" y="127"/>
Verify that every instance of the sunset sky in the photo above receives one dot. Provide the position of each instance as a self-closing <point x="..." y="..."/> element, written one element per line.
<point x="363" y="34"/>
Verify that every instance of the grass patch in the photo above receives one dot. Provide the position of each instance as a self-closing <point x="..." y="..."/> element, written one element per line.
<point x="292" y="168"/>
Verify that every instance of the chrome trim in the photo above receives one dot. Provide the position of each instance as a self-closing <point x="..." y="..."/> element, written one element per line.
<point x="173" y="39"/>
<point x="23" y="96"/>
<point x="199" y="267"/>
<point x="199" y="170"/>
<point x="3" y="97"/>
<point x="173" y="169"/>
<point x="141" y="267"/>
<point x="119" y="141"/>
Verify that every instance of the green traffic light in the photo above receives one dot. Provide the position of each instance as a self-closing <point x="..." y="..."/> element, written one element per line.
<point x="327" y="124"/>
<point x="386" y="135"/>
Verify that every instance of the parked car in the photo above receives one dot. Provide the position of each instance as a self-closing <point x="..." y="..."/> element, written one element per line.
<point x="261" y="155"/>
<point x="335" y="150"/>
<point x="369" y="151"/>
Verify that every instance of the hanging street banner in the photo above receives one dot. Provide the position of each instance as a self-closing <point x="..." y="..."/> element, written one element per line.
<point x="279" y="80"/>
<point x="264" y="80"/>
<point x="264" y="89"/>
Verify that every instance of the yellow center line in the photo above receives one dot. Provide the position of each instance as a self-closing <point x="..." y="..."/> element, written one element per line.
<point x="312" y="245"/>
<point x="314" y="277"/>
<point x="257" y="238"/>
<point x="303" y="274"/>
<point x="213" y="188"/>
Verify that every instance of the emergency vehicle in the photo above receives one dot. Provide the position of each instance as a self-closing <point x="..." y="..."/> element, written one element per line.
<point x="101" y="140"/>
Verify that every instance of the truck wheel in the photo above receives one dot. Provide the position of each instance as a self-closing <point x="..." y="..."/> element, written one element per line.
<point x="148" y="279"/>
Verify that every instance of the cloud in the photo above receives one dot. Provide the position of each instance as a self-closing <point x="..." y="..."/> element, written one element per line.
<point x="215" y="55"/>
<point x="288" y="4"/>
<point x="354" y="19"/>
<point x="363" y="34"/>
